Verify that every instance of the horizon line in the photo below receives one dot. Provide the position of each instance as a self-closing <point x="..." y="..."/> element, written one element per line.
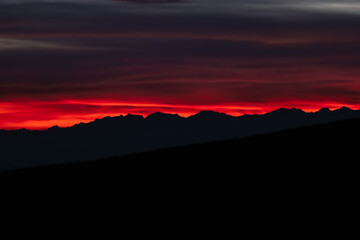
<point x="145" y="116"/>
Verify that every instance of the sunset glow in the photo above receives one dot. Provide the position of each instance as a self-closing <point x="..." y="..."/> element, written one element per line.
<point x="63" y="62"/>
<point x="42" y="115"/>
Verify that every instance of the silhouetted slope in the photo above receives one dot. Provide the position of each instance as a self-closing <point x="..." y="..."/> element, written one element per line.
<point x="278" y="183"/>
<point x="320" y="151"/>
<point x="123" y="135"/>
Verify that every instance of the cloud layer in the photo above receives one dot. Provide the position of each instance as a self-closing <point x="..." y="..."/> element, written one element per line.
<point x="256" y="55"/>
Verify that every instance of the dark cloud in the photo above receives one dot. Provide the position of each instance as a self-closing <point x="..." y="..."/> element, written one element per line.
<point x="199" y="52"/>
<point x="151" y="1"/>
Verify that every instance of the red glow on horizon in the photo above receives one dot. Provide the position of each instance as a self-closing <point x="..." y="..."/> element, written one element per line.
<point x="40" y="115"/>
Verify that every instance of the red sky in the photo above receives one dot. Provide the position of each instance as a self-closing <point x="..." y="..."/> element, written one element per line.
<point x="42" y="115"/>
<point x="73" y="61"/>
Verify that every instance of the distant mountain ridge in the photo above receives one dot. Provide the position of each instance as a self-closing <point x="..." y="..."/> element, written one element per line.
<point x="323" y="115"/>
<point x="128" y="134"/>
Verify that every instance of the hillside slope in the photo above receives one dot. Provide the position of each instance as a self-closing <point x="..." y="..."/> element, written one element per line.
<point x="318" y="150"/>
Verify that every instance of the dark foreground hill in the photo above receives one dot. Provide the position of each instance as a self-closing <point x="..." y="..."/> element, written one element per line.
<point x="296" y="182"/>
<point x="319" y="151"/>
<point x="123" y="135"/>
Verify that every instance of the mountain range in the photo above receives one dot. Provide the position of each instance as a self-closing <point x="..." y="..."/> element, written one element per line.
<point x="123" y="135"/>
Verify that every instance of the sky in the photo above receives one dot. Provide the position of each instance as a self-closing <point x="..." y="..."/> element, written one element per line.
<point x="68" y="61"/>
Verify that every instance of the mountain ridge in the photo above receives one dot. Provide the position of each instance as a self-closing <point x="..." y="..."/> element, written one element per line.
<point x="121" y="135"/>
<point x="282" y="112"/>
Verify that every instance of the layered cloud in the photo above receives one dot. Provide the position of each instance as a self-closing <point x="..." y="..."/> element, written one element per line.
<point x="190" y="55"/>
<point x="152" y="1"/>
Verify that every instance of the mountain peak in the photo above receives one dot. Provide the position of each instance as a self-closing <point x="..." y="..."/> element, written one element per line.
<point x="56" y="127"/>
<point x="209" y="114"/>
<point x="296" y="110"/>
<point x="133" y="117"/>
<point x="160" y="115"/>
<point x="345" y="109"/>
<point x="285" y="112"/>
<point x="324" y="110"/>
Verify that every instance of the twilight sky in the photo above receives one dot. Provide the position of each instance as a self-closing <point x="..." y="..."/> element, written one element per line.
<point x="67" y="61"/>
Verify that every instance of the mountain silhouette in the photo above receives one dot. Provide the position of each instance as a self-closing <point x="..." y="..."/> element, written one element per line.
<point x="163" y="118"/>
<point x="287" y="113"/>
<point x="210" y="115"/>
<point x="123" y="135"/>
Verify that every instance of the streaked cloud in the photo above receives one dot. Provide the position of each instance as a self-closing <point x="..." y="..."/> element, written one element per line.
<point x="18" y="44"/>
<point x="251" y="54"/>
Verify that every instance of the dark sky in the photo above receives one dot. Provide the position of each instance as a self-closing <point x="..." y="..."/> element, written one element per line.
<point x="66" y="61"/>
